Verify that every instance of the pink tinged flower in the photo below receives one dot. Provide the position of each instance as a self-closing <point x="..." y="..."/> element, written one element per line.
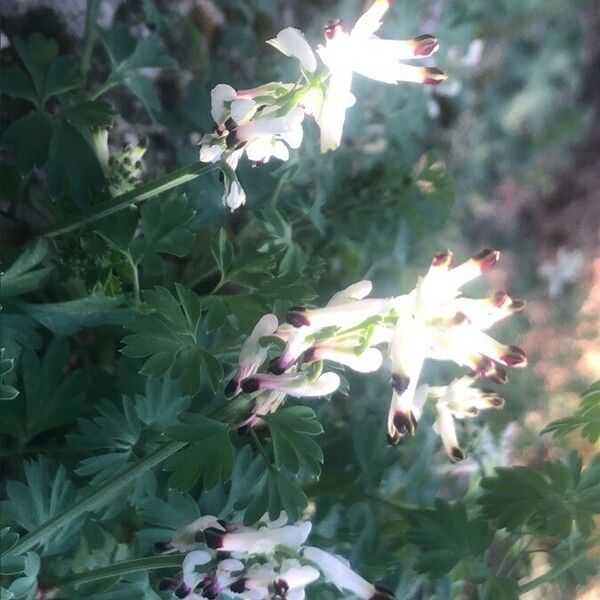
<point x="185" y="538"/>
<point x="219" y="579"/>
<point x="291" y="42"/>
<point x="294" y="384"/>
<point x="340" y="315"/>
<point x="343" y="577"/>
<point x="262" y="541"/>
<point x="266" y="403"/>
<point x="485" y="312"/>
<point x="252" y="354"/>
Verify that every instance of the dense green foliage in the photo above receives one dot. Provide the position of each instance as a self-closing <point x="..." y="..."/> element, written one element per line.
<point x="120" y="333"/>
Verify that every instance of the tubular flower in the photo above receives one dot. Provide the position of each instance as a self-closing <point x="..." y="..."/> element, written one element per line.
<point x="433" y="321"/>
<point x="337" y="571"/>
<point x="361" y="51"/>
<point x="436" y="322"/>
<point x="266" y="122"/>
<point x="458" y="401"/>
<point x="267" y="562"/>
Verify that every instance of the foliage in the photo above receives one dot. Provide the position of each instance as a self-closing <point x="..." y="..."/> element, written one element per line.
<point x="119" y="333"/>
<point x="586" y="417"/>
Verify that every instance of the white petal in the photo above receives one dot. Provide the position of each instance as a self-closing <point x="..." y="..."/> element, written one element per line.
<point x="280" y="150"/>
<point x="339" y="573"/>
<point x="370" y="21"/>
<point x="193" y="559"/>
<point x="447" y="431"/>
<point x="333" y="111"/>
<point x="299" y="576"/>
<point x="235" y="196"/>
<point x="355" y="291"/>
<point x="326" y="384"/>
<point x="210" y="153"/>
<point x="218" y="96"/>
<point x="242" y="110"/>
<point x="292" y="42"/>
<point x="368" y="361"/>
<point x="266" y="539"/>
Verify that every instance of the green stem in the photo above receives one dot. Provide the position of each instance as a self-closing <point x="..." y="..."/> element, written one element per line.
<point x="142" y="192"/>
<point x="136" y="565"/>
<point x="135" y="279"/>
<point x="558" y="570"/>
<point x="91" y="15"/>
<point x="107" y="85"/>
<point x="97" y="498"/>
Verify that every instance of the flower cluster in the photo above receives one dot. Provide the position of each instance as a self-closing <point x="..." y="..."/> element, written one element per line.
<point x="268" y="562"/>
<point x="432" y="321"/>
<point x="266" y="121"/>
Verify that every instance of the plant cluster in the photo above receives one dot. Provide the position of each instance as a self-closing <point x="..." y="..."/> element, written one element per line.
<point x="179" y="411"/>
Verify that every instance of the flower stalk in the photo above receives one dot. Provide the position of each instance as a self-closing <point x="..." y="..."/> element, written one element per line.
<point x="142" y="192"/>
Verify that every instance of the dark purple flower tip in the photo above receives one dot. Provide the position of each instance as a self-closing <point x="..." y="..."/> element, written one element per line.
<point x="456" y="454"/>
<point x="404" y="423"/>
<point x="242" y="430"/>
<point x="231" y="388"/>
<point x="499" y="375"/>
<point x="434" y="76"/>
<point x="443" y="259"/>
<point x="472" y="411"/>
<point x="459" y="318"/>
<point x="213" y="537"/>
<point x="250" y="384"/>
<point x="487" y="259"/>
<point x="425" y="45"/>
<point x="238" y="586"/>
<point x="297" y="319"/>
<point x="277" y="367"/>
<point x="163" y="547"/>
<point x="485" y="367"/>
<point x="400" y="382"/>
<point x="280" y="588"/>
<point x="515" y="357"/>
<point x="183" y="590"/>
<point x="382" y="593"/>
<point x="168" y="584"/>
<point x="222" y="554"/>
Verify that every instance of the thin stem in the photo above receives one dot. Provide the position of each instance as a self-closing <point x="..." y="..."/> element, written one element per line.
<point x="142" y="192"/>
<point x="135" y="279"/>
<point x="107" y="85"/>
<point x="91" y="15"/>
<point x="260" y="448"/>
<point x="558" y="570"/>
<point x="96" y="498"/>
<point x="136" y="565"/>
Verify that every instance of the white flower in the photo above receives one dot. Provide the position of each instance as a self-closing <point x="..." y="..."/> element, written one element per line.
<point x="360" y="51"/>
<point x="191" y="577"/>
<point x="220" y="96"/>
<point x="343" y="577"/>
<point x="434" y="322"/>
<point x="252" y="354"/>
<point x="345" y="353"/>
<point x="294" y="384"/>
<point x="292" y="42"/>
<point x="234" y="195"/>
<point x="261" y="541"/>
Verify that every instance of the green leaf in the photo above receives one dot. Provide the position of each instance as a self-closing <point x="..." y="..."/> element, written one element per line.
<point x="128" y="56"/>
<point x="45" y="494"/>
<point x="501" y="588"/>
<point x="26" y="273"/>
<point x="51" y="396"/>
<point x="16" y="82"/>
<point x="7" y="392"/>
<point x="547" y="500"/>
<point x="271" y="493"/>
<point x="210" y="454"/>
<point x="172" y="337"/>
<point x="586" y="417"/>
<point x="65" y="318"/>
<point x="291" y="431"/>
<point x="92" y="113"/>
<point x="445" y="536"/>
<point x="18" y="332"/>
<point x="82" y="176"/>
<point x="52" y="75"/>
<point x="30" y="137"/>
<point x="165" y="226"/>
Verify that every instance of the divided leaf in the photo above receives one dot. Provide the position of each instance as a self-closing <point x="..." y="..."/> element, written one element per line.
<point x="547" y="500"/>
<point x="587" y="416"/>
<point x="209" y="455"/>
<point x="26" y="273"/>
<point x="445" y="535"/>
<point x="291" y="431"/>
<point x="172" y="337"/>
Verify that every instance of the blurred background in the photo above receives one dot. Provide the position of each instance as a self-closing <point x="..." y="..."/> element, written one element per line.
<point x="505" y="154"/>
